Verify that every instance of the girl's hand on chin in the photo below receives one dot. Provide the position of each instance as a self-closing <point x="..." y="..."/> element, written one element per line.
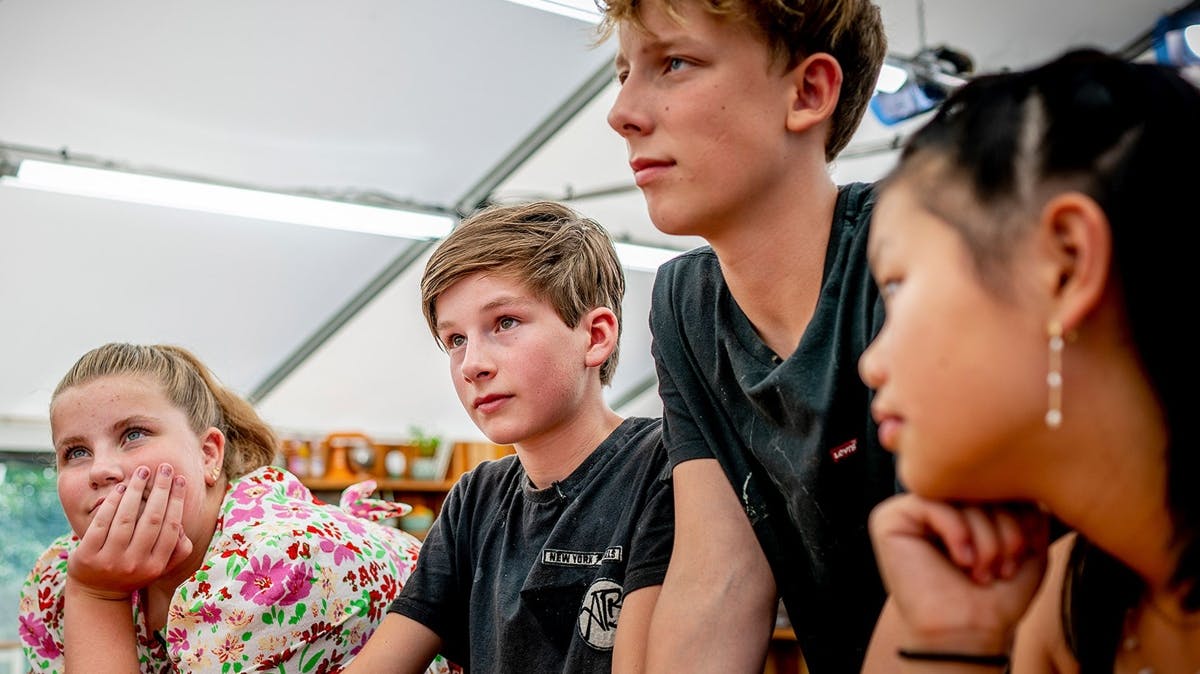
<point x="122" y="549"/>
<point x="961" y="575"/>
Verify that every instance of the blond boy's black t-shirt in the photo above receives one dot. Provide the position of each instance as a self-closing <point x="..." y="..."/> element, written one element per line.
<point x="794" y="436"/>
<point x="519" y="579"/>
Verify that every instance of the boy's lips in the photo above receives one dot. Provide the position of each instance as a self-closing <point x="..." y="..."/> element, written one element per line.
<point x="490" y="402"/>
<point x="646" y="169"/>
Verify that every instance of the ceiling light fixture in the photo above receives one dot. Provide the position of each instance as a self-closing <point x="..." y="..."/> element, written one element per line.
<point x="1176" y="36"/>
<point x="210" y="197"/>
<point x="910" y="86"/>
<point x="583" y="10"/>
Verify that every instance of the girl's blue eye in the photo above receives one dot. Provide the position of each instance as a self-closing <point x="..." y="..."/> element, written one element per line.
<point x="675" y="63"/>
<point x="74" y="453"/>
<point x="455" y="341"/>
<point x="134" y="434"/>
<point x="507" y="323"/>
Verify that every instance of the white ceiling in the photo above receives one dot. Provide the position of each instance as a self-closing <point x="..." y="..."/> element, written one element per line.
<point x="438" y="104"/>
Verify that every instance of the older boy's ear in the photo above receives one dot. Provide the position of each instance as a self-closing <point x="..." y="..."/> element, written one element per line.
<point x="816" y="87"/>
<point x="1078" y="238"/>
<point x="602" y="328"/>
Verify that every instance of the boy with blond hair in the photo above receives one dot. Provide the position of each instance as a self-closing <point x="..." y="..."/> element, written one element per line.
<point x="731" y="111"/>
<point x="549" y="560"/>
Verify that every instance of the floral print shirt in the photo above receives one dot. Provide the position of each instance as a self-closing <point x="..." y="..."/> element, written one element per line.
<point x="289" y="584"/>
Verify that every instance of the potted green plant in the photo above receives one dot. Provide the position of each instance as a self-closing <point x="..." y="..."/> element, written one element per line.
<point x="425" y="464"/>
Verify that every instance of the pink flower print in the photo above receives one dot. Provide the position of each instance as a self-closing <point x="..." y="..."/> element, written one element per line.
<point x="210" y="613"/>
<point x="356" y="525"/>
<point x="177" y="640"/>
<point x="34" y="633"/>
<point x="291" y="510"/>
<point x="249" y="492"/>
<point x="229" y="649"/>
<point x="341" y="552"/>
<point x="252" y="514"/>
<point x="275" y="583"/>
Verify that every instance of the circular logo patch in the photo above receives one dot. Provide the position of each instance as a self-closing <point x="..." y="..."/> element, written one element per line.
<point x="598" y="615"/>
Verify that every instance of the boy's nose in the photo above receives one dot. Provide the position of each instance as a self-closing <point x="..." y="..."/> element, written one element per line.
<point x="623" y="116"/>
<point x="476" y="363"/>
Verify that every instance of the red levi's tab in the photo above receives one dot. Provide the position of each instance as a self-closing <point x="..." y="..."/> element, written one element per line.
<point x="844" y="450"/>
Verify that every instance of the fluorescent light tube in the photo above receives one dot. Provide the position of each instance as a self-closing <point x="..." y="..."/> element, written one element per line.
<point x="237" y="201"/>
<point x="643" y="258"/>
<point x="583" y="10"/>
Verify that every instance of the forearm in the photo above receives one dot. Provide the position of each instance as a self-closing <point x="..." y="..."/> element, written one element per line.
<point x="98" y="634"/>
<point x="895" y="647"/>
<point x="401" y="645"/>
<point x="717" y="606"/>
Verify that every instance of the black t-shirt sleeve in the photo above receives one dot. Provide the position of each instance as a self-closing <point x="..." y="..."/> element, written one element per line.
<point x="433" y="595"/>
<point x="653" y="534"/>
<point x="678" y="386"/>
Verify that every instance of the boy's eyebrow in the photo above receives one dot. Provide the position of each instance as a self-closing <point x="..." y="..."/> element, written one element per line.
<point x="497" y="303"/>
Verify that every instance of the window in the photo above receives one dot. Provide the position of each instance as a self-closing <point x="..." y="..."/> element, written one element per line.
<point x="30" y="518"/>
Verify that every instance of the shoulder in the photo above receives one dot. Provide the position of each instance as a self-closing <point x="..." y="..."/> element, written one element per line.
<point x="1041" y="644"/>
<point x="39" y="609"/>
<point x="688" y="290"/>
<point x="641" y="450"/>
<point x="694" y="273"/>
<point x="486" y="483"/>
<point x="49" y="572"/>
<point x="270" y="515"/>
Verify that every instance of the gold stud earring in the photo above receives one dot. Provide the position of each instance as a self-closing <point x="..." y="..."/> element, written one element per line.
<point x="1054" y="378"/>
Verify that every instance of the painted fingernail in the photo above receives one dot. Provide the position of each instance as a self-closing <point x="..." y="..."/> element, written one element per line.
<point x="121" y="488"/>
<point x="143" y="472"/>
<point x="179" y="480"/>
<point x="164" y="469"/>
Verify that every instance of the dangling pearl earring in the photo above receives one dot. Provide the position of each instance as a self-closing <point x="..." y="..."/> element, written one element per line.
<point x="1054" y="378"/>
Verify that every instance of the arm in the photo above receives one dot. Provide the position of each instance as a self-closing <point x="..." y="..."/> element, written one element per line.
<point x="717" y="606"/>
<point x="629" y="649"/>
<point x="120" y="552"/>
<point x="960" y="579"/>
<point x="401" y="645"/>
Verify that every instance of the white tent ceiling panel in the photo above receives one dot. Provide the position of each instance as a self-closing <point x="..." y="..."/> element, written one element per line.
<point x="243" y="293"/>
<point x="440" y="103"/>
<point x="416" y="99"/>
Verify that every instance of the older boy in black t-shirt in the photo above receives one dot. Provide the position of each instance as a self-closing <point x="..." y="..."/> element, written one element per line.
<point x="731" y="112"/>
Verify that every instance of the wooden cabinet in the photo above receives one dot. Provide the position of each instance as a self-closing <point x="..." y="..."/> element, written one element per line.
<point x="425" y="497"/>
<point x="345" y="458"/>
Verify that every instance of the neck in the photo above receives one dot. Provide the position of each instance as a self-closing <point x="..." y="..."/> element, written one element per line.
<point x="555" y="454"/>
<point x="774" y="269"/>
<point x="1113" y="435"/>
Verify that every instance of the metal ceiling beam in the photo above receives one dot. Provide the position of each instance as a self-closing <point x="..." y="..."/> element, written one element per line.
<point x="481" y="192"/>
<point x="314" y="341"/>
<point x="476" y="196"/>
<point x="634" y="392"/>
